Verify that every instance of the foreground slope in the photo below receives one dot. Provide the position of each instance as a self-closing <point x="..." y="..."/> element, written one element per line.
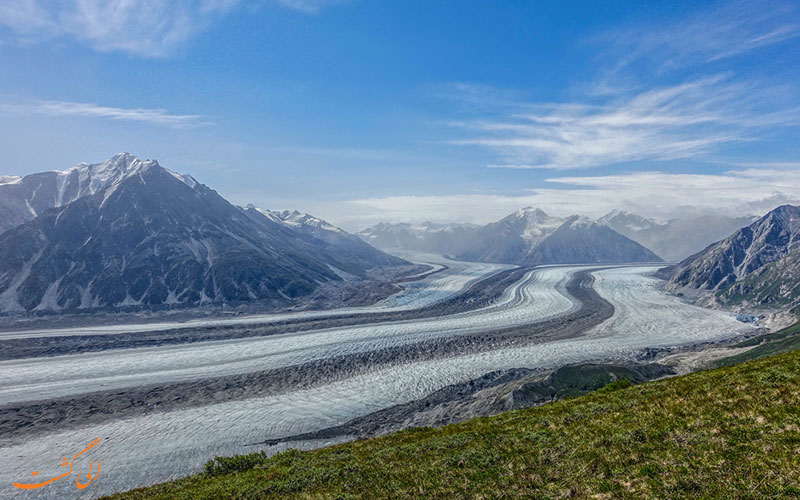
<point x="732" y="432"/>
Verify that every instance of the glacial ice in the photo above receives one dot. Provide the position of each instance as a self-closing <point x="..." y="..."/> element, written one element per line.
<point x="148" y="449"/>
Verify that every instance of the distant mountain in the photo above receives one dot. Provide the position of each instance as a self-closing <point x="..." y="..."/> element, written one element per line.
<point x="511" y="239"/>
<point x="528" y="236"/>
<point x="678" y="238"/>
<point x="758" y="263"/>
<point x="425" y="237"/>
<point x="350" y="252"/>
<point x="580" y="240"/>
<point x="626" y="222"/>
<point x="392" y="236"/>
<point x="145" y="236"/>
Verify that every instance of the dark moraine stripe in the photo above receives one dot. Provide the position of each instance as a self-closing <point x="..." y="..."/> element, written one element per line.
<point x="479" y="294"/>
<point x="18" y="420"/>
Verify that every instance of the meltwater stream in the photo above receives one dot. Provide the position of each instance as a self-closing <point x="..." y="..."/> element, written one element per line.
<point x="153" y="448"/>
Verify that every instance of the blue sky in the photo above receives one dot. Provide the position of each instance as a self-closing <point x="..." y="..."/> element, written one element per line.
<point x="366" y="110"/>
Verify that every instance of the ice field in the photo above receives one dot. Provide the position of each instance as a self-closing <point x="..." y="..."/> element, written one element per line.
<point x="538" y="296"/>
<point x="452" y="276"/>
<point x="153" y="448"/>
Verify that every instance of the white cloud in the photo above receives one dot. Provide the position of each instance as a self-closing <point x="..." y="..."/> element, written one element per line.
<point x="309" y="6"/>
<point x="638" y="106"/>
<point x="66" y="108"/>
<point x="149" y="28"/>
<point x="652" y="194"/>
<point x="710" y="34"/>
<point x="689" y="120"/>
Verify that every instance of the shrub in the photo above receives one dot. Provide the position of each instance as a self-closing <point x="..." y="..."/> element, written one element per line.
<point x="225" y="465"/>
<point x="620" y="383"/>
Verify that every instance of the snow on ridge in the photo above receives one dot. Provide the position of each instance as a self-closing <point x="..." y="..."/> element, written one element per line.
<point x="184" y="178"/>
<point x="96" y="177"/>
<point x="92" y="178"/>
<point x="10" y="179"/>
<point x="297" y="219"/>
<point x="269" y="214"/>
<point x="581" y="221"/>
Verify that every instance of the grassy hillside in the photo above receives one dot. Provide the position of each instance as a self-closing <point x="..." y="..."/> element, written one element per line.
<point x="732" y="432"/>
<point x="785" y="340"/>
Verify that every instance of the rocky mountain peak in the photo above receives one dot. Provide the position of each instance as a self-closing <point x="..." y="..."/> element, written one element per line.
<point x="767" y="240"/>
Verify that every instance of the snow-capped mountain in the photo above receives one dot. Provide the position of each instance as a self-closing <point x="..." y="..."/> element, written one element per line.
<point x="527" y="236"/>
<point x="620" y="221"/>
<point x="23" y="198"/>
<point x="425" y="237"/>
<point x="533" y="224"/>
<point x="142" y="235"/>
<point x="678" y="238"/>
<point x="758" y="263"/>
<point x="581" y="240"/>
<point x="301" y="221"/>
<point x="351" y="252"/>
<point x="511" y="239"/>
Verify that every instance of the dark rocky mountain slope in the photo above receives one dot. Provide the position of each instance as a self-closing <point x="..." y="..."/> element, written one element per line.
<point x="155" y="238"/>
<point x="676" y="239"/>
<point x="581" y="240"/>
<point x="23" y="198"/>
<point x="758" y="262"/>
<point x="350" y="253"/>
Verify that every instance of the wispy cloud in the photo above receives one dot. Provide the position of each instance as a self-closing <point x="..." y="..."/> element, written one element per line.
<point x="309" y="6"/>
<point x="711" y="34"/>
<point x="687" y="120"/>
<point x="635" y="109"/>
<point x="652" y="194"/>
<point x="149" y="28"/>
<point x="66" y="108"/>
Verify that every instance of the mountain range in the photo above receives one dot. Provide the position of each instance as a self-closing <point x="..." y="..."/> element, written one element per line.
<point x="448" y="239"/>
<point x="513" y="238"/>
<point x="128" y="232"/>
<point x="528" y="236"/>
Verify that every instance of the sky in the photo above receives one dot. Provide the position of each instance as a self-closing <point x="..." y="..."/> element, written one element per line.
<point x="361" y="111"/>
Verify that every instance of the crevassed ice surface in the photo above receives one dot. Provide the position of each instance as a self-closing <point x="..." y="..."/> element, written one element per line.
<point x="539" y="295"/>
<point x="150" y="449"/>
<point x="452" y="278"/>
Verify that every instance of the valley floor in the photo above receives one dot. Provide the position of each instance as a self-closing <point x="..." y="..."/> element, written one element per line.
<point x="166" y="399"/>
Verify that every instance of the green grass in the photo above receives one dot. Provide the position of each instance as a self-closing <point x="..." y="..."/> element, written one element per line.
<point x="785" y="340"/>
<point x="732" y="432"/>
